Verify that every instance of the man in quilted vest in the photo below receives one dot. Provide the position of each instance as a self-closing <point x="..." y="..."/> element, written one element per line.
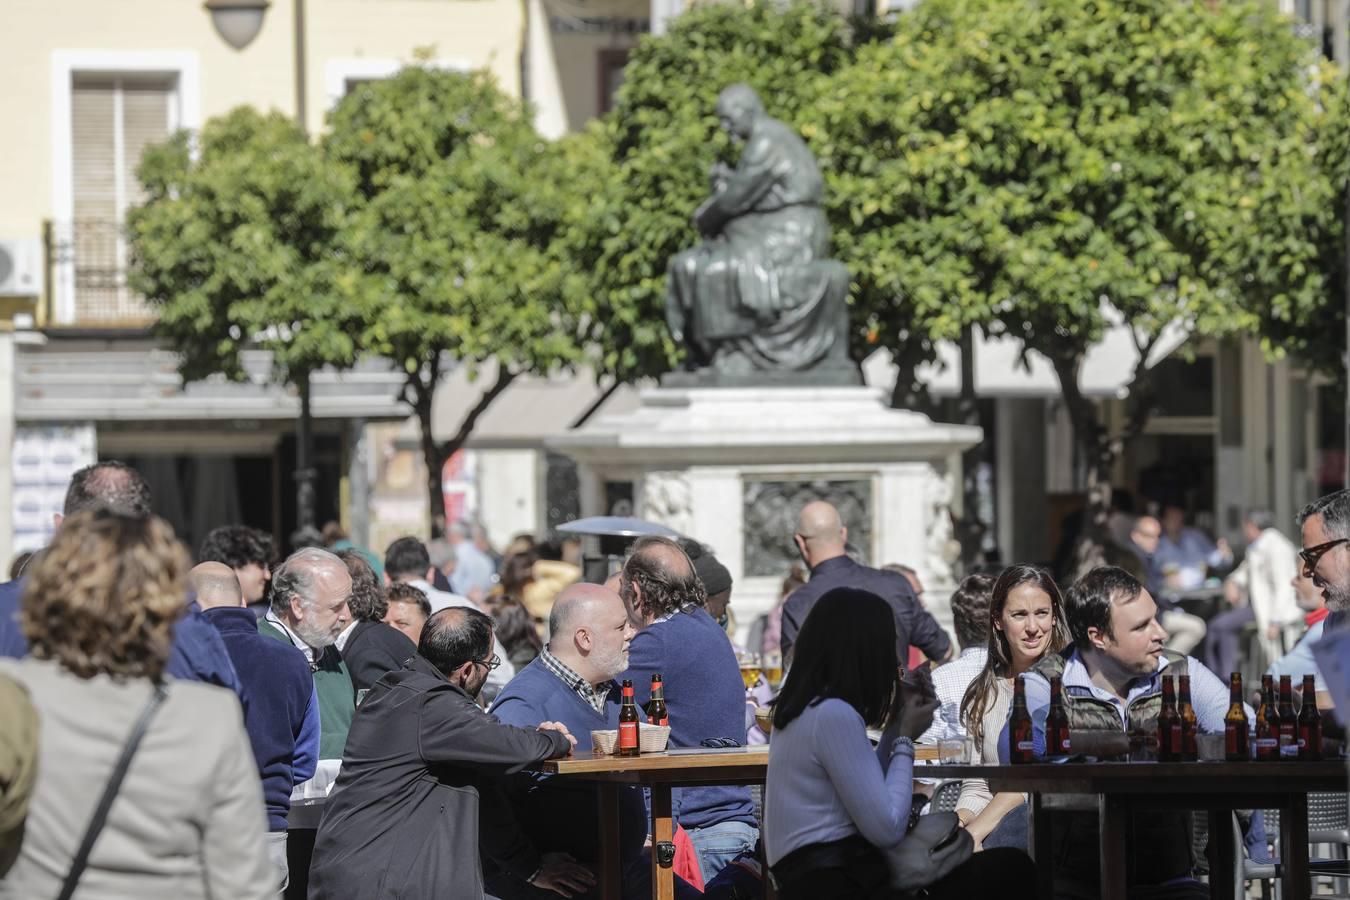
<point x="1112" y="680"/>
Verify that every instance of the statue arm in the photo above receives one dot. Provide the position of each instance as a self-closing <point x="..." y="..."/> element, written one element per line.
<point x="754" y="176"/>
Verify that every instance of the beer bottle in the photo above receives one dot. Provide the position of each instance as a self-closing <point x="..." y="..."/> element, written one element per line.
<point x="1288" y="720"/>
<point x="1057" y="721"/>
<point x="1189" y="723"/>
<point x="1309" y="722"/>
<point x="628" y="723"/>
<point x="1021" y="747"/>
<point x="656" y="707"/>
<point x="1169" y="724"/>
<point x="1235" y="722"/>
<point x="1267" y="722"/>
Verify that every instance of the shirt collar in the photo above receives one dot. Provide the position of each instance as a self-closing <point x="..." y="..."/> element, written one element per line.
<point x="595" y="696"/>
<point x="300" y="645"/>
<point x="346" y="635"/>
<point x="1076" y="676"/>
<point x="688" y="607"/>
<point x="834" y="562"/>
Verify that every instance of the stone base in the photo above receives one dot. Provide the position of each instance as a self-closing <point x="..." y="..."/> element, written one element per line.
<point x="842" y="376"/>
<point x="731" y="466"/>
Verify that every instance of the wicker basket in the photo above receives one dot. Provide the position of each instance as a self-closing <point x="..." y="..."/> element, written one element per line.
<point x="651" y="739"/>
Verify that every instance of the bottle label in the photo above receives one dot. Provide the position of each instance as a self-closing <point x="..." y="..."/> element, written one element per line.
<point x="1064" y="743"/>
<point x="1288" y="750"/>
<point x="652" y="720"/>
<point x="628" y="735"/>
<point x="1266" y="743"/>
<point x="1026" y="745"/>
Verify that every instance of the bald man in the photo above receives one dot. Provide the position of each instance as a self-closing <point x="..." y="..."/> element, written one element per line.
<point x="281" y="707"/>
<point x="821" y="539"/>
<point x="572" y="681"/>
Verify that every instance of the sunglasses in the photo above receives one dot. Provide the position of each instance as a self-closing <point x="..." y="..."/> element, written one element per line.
<point x="1313" y="555"/>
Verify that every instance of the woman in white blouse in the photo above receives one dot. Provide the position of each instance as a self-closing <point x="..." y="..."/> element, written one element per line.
<point x="1026" y="621"/>
<point x="832" y="802"/>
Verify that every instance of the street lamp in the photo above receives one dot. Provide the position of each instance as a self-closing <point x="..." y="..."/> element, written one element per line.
<point x="237" y="21"/>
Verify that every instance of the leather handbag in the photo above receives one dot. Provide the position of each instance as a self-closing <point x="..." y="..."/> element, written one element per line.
<point x="929" y="852"/>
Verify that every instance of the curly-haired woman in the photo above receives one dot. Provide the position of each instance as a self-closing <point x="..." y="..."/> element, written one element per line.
<point x="187" y="821"/>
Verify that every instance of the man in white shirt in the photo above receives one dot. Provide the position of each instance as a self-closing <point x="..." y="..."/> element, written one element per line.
<point x="1261" y="590"/>
<point x="407" y="562"/>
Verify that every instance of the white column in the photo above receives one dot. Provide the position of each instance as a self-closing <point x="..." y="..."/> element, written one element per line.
<point x="7" y="394"/>
<point x="662" y="12"/>
<point x="543" y="86"/>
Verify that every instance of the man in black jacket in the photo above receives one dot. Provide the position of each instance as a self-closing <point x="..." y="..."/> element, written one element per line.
<point x="822" y="540"/>
<point x="420" y="791"/>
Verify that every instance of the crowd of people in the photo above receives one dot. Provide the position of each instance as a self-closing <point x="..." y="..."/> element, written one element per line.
<point x="164" y="715"/>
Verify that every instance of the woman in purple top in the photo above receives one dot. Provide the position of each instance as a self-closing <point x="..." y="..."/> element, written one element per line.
<point x="832" y="801"/>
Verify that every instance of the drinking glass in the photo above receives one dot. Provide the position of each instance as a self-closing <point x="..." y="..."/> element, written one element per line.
<point x="956" y="751"/>
<point x="750" y="669"/>
<point x="773" y="668"/>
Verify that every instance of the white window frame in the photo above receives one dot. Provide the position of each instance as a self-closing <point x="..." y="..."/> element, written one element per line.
<point x="337" y="71"/>
<point x="184" y="112"/>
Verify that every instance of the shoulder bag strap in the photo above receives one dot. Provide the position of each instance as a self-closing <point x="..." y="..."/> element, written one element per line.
<point x="105" y="802"/>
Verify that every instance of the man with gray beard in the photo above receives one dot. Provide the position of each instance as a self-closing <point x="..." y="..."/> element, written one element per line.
<point x="1325" y="525"/>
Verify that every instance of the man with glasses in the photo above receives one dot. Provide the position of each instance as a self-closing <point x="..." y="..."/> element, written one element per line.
<point x="420" y="794"/>
<point x="1325" y="524"/>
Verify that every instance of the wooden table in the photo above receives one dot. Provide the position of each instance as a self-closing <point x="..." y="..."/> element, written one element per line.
<point x="1218" y="787"/>
<point x="660" y="772"/>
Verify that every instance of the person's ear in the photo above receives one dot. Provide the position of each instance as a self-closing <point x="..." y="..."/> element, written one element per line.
<point x="1097" y="637"/>
<point x="430" y="576"/>
<point x="297" y="608"/>
<point x="998" y="624"/>
<point x="843" y="534"/>
<point x="57" y="519"/>
<point x="800" y="542"/>
<point x="582" y="638"/>
<point x="460" y="676"/>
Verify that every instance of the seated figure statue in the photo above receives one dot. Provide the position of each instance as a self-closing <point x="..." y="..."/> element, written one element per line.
<point x="758" y="296"/>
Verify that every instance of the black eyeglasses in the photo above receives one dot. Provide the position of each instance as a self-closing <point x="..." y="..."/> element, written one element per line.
<point x="1313" y="555"/>
<point x="491" y="663"/>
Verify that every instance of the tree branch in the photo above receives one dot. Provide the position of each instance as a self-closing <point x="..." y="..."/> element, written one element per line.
<point x="505" y="375"/>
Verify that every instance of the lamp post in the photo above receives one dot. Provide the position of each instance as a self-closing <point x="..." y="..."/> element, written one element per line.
<point x="238" y="23"/>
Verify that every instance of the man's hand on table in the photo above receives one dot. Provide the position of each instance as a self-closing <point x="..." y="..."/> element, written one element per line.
<point x="559" y="872"/>
<point x="561" y="729"/>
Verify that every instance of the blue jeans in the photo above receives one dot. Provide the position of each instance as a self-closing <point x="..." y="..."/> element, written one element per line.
<point x="719" y="844"/>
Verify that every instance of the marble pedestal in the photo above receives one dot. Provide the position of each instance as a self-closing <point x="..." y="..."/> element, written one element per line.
<point x="731" y="467"/>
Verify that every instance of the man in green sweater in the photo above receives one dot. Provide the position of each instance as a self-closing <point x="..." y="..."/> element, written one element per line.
<point x="310" y="591"/>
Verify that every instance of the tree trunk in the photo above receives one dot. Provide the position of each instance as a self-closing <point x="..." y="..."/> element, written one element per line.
<point x="419" y="392"/>
<point x="304" y="455"/>
<point x="970" y="530"/>
<point x="1098" y="454"/>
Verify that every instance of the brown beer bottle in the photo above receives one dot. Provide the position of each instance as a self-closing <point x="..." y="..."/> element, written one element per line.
<point x="1169" y="724"/>
<point x="1309" y="722"/>
<point x="628" y="723"/>
<point x="1189" y="723"/>
<point x="1057" y="721"/>
<point x="1235" y="722"/>
<point x="1288" y="720"/>
<point x="656" y="707"/>
<point x="1021" y="747"/>
<point x="1267" y="722"/>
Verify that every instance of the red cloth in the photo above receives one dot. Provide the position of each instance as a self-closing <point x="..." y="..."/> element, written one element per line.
<point x="1316" y="616"/>
<point x="686" y="859"/>
<point x="915" y="659"/>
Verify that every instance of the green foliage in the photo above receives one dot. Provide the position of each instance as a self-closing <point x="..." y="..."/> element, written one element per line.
<point x="238" y="247"/>
<point x="1016" y="165"/>
<point x="663" y="137"/>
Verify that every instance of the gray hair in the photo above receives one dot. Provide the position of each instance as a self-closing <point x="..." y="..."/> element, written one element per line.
<point x="1261" y="518"/>
<point x="296" y="575"/>
<point x="441" y="552"/>
<point x="1334" y="509"/>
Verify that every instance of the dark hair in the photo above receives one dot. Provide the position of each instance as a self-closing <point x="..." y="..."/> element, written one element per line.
<point x="111" y="485"/>
<point x="455" y="636"/>
<point x="515" y="626"/>
<point x="236" y="546"/>
<point x="19" y="563"/>
<point x="845" y="650"/>
<point x="518" y="571"/>
<point x="407" y="557"/>
<point x="999" y="662"/>
<point x="970" y="610"/>
<point x="406" y="593"/>
<point x="333" y="532"/>
<point x="1334" y="509"/>
<point x="795" y="578"/>
<point x="1088" y="601"/>
<point x="665" y="589"/>
<point x="367" y="600"/>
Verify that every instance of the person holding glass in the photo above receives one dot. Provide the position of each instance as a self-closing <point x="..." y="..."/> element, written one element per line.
<point x="1026" y="622"/>
<point x="833" y="804"/>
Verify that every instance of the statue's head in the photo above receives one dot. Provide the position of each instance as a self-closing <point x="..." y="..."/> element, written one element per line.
<point x="737" y="109"/>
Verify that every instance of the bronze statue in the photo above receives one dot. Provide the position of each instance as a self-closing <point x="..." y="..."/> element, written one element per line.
<point x="758" y="301"/>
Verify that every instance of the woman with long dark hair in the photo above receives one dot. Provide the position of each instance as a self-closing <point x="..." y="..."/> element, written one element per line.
<point x="833" y="803"/>
<point x="1026" y="621"/>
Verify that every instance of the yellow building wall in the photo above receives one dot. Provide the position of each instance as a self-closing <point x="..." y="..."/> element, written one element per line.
<point x="473" y="32"/>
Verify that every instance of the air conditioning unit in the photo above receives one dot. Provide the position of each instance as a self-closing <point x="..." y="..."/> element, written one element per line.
<point x="20" y="267"/>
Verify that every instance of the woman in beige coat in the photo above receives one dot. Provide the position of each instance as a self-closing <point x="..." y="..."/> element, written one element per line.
<point x="188" y="821"/>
